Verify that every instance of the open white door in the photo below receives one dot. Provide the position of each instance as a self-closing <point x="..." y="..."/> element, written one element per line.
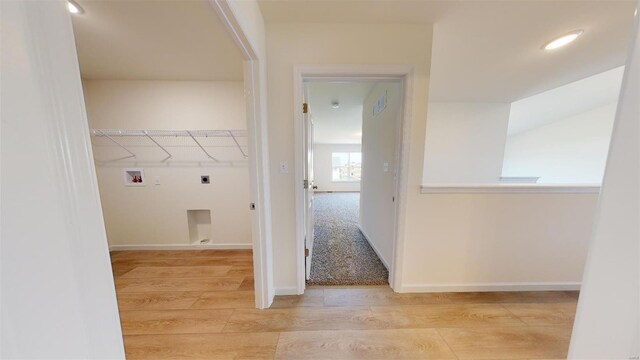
<point x="308" y="187"/>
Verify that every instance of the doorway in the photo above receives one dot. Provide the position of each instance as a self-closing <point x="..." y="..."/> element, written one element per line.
<point x="352" y="134"/>
<point x="173" y="139"/>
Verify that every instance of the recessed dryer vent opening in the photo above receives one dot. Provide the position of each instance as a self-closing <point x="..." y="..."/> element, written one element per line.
<point x="199" y="226"/>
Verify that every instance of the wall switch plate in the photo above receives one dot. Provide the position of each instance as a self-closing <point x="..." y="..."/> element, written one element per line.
<point x="284" y="167"/>
<point x="205" y="179"/>
<point x="157" y="181"/>
<point x="385" y="167"/>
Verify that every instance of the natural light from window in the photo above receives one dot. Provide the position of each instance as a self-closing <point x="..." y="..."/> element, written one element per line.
<point x="346" y="166"/>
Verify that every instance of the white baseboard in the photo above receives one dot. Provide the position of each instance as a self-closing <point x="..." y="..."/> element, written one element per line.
<point x="524" y="286"/>
<point x="286" y="291"/>
<point x="181" y="247"/>
<point x="384" y="262"/>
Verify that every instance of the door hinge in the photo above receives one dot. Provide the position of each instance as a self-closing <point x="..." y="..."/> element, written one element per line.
<point x="306" y="252"/>
<point x="305" y="184"/>
<point x="305" y="108"/>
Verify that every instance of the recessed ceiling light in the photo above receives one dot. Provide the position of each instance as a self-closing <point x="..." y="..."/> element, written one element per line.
<point x="74" y="8"/>
<point x="335" y="104"/>
<point x="562" y="40"/>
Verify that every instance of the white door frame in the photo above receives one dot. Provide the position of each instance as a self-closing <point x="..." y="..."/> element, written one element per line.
<point x="258" y="157"/>
<point x="354" y="72"/>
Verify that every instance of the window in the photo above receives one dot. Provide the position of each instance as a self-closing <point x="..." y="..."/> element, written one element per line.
<point x="347" y="166"/>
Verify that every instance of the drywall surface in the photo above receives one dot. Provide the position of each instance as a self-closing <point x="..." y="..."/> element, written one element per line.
<point x="608" y="321"/>
<point x="156" y="214"/>
<point x="565" y="101"/>
<point x="498" y="241"/>
<point x="465" y="142"/>
<point x="323" y="169"/>
<point x="379" y="168"/>
<point x="58" y="299"/>
<point x="572" y="150"/>
<point x="440" y="231"/>
<point x="289" y="44"/>
<point x="251" y="26"/>
<point x="165" y="105"/>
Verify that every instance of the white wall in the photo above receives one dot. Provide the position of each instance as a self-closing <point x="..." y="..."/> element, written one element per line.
<point x="165" y="105"/>
<point x="57" y="300"/>
<point x="323" y="168"/>
<point x="543" y="236"/>
<point x="379" y="140"/>
<point x="157" y="214"/>
<point x="465" y="142"/>
<point x="498" y="241"/>
<point x="607" y="322"/>
<point x="288" y="44"/>
<point x="565" y="101"/>
<point x="246" y="21"/>
<point x="571" y="150"/>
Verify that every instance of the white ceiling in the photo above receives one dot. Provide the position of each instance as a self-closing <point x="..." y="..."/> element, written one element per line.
<point x="342" y="125"/>
<point x="565" y="101"/>
<point x="487" y="51"/>
<point x="354" y="11"/>
<point x="154" y="40"/>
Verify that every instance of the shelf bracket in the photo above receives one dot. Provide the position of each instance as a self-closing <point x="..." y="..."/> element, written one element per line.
<point x="238" y="144"/>
<point x="117" y="143"/>
<point x="201" y="147"/>
<point x="160" y="146"/>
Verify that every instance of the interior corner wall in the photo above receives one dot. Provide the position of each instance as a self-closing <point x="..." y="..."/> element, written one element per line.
<point x="157" y="214"/>
<point x="465" y="142"/>
<point x="379" y="140"/>
<point x="571" y="150"/>
<point x="323" y="167"/>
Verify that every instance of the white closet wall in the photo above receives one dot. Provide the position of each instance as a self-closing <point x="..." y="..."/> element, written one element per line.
<point x="156" y="214"/>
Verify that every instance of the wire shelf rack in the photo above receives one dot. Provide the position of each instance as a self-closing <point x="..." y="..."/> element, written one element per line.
<point x="218" y="146"/>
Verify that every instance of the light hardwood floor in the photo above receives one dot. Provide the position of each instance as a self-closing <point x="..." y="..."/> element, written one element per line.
<point x="200" y="305"/>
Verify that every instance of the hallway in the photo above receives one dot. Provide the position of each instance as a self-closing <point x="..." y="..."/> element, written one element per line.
<point x="341" y="254"/>
<point x="200" y="305"/>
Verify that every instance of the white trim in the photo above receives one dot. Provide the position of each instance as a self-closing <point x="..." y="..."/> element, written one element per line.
<point x="509" y="188"/>
<point x="519" y="179"/>
<point x="359" y="72"/>
<point x="255" y="95"/>
<point x="291" y="290"/>
<point x="523" y="286"/>
<point x="386" y="264"/>
<point x="181" y="247"/>
<point x="335" y="191"/>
